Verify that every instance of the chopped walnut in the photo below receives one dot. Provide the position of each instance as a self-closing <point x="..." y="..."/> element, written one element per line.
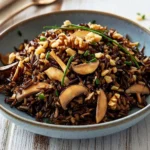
<point x="99" y="55"/>
<point x="91" y="37"/>
<point x="108" y="79"/>
<point x="117" y="35"/>
<point x="104" y="72"/>
<point x="113" y="101"/>
<point x="39" y="50"/>
<point x="70" y="52"/>
<point x="112" y="62"/>
<point x="66" y="23"/>
<point x="96" y="27"/>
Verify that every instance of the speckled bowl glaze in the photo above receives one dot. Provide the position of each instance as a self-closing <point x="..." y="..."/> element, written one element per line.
<point x="31" y="28"/>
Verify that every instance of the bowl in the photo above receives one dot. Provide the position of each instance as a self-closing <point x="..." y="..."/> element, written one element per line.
<point x="31" y="28"/>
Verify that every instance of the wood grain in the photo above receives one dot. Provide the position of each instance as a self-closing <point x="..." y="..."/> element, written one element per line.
<point x="4" y="128"/>
<point x="137" y="137"/>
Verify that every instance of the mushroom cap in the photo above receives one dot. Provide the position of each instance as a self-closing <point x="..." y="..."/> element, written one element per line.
<point x="101" y="107"/>
<point x="71" y="92"/>
<point x="138" y="88"/>
<point x="58" y="60"/>
<point x="86" y="68"/>
<point x="3" y="68"/>
<point x="56" y="74"/>
<point x="32" y="90"/>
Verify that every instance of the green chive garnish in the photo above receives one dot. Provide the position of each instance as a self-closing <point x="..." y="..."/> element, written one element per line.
<point x="93" y="22"/>
<point x="109" y="44"/>
<point x="42" y="38"/>
<point x="128" y="63"/>
<point x="56" y="93"/>
<point x="93" y="43"/>
<point x="68" y="64"/>
<point x="19" y="33"/>
<point x="86" y="53"/>
<point x="75" y="27"/>
<point x="47" y="120"/>
<point x="97" y="81"/>
<point x="47" y="55"/>
<point x="92" y="55"/>
<point x="41" y="96"/>
<point x="93" y="60"/>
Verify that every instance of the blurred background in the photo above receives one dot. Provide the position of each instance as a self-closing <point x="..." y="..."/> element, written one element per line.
<point x="136" y="10"/>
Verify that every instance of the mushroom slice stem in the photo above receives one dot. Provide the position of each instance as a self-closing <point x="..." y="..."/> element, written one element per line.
<point x="32" y="90"/>
<point x="20" y="66"/>
<point x="58" y="60"/>
<point x="86" y="68"/>
<point x="3" y="68"/>
<point x="56" y="74"/>
<point x="70" y="93"/>
<point x="139" y="97"/>
<point x="138" y="88"/>
<point x="101" y="107"/>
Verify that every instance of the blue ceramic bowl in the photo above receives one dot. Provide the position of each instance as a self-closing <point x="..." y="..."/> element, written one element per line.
<point x="31" y="28"/>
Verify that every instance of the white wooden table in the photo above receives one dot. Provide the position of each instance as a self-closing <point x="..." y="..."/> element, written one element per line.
<point x="137" y="137"/>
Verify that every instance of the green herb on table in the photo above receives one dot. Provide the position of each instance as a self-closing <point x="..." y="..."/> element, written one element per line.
<point x="76" y="27"/>
<point x="42" y="38"/>
<point x="138" y="14"/>
<point x="47" y="55"/>
<point x="65" y="72"/>
<point x="141" y="16"/>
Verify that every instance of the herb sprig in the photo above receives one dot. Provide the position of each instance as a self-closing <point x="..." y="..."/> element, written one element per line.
<point x="75" y="27"/>
<point x="65" y="72"/>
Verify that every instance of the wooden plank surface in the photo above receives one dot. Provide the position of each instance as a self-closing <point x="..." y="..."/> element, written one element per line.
<point x="137" y="137"/>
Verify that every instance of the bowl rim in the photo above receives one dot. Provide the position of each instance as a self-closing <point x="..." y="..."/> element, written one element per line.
<point x="104" y="125"/>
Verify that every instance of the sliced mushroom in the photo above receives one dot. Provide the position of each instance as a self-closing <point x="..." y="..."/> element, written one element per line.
<point x="20" y="66"/>
<point x="80" y="34"/>
<point x="4" y="58"/>
<point x="32" y="90"/>
<point x="90" y="95"/>
<point x="58" y="60"/>
<point x="101" y="106"/>
<point x="85" y="68"/>
<point x="138" y="88"/>
<point x="56" y="74"/>
<point x="71" y="92"/>
<point x="3" y="68"/>
<point x="138" y="95"/>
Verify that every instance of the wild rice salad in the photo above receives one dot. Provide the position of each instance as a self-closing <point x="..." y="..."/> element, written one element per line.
<point x="76" y="75"/>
